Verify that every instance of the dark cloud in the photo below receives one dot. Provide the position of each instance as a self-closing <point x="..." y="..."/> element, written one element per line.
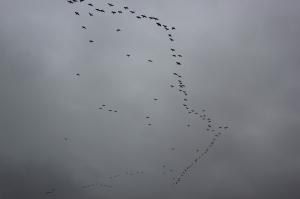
<point x="240" y="62"/>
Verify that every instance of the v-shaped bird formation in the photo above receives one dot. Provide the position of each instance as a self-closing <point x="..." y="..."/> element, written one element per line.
<point x="211" y="126"/>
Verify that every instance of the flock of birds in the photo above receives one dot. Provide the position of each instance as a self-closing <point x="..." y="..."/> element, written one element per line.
<point x="211" y="126"/>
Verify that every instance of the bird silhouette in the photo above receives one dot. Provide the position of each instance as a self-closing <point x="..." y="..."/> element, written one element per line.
<point x="91" y="14"/>
<point x="97" y="9"/>
<point x="110" y="4"/>
<point x="77" y="13"/>
<point x="90" y="4"/>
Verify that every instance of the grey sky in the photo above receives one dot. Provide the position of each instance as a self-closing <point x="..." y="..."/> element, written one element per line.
<point x="240" y="62"/>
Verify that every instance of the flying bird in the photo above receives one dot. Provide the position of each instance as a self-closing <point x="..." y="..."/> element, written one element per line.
<point x="110" y="4"/>
<point x="83" y="27"/>
<point x="126" y="8"/>
<point x="97" y="9"/>
<point x="77" y="13"/>
<point x="91" y="41"/>
<point x="91" y="14"/>
<point x="118" y="30"/>
<point x="90" y="4"/>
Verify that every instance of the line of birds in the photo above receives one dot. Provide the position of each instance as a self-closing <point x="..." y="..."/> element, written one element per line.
<point x="200" y="154"/>
<point x="126" y="173"/>
<point x="211" y="127"/>
<point x="89" y="186"/>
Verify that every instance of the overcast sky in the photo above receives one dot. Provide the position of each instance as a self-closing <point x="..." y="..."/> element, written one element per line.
<point x="240" y="63"/>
